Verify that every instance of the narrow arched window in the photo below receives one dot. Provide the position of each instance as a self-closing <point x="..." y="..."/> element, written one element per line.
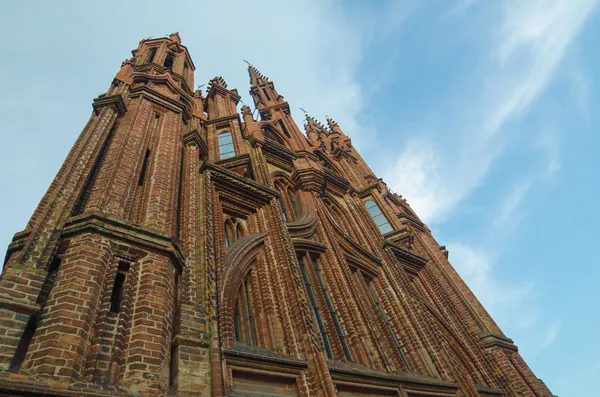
<point x="380" y="220"/>
<point x="151" y="55"/>
<point x="116" y="297"/>
<point x="185" y="71"/>
<point x="227" y="237"/>
<point x="239" y="232"/>
<point x="293" y="201"/>
<point x="283" y="209"/>
<point x="169" y="60"/>
<point x="226" y="149"/>
<point x="243" y="316"/>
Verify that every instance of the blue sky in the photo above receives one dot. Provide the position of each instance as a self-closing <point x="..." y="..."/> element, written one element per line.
<point x="480" y="113"/>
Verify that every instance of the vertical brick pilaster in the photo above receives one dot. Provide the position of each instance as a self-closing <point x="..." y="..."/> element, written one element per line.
<point x="61" y="341"/>
<point x="163" y="176"/>
<point x="148" y="353"/>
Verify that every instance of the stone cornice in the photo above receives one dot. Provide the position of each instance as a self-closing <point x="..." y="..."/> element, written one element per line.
<point x="411" y="262"/>
<point x="309" y="180"/>
<point x="364" y="266"/>
<point x="106" y="101"/>
<point x="149" y="67"/>
<point x="223" y="119"/>
<point x="166" y="77"/>
<point x="162" y="100"/>
<point x="366" y="191"/>
<point x="278" y="155"/>
<point x="279" y="106"/>
<point x="193" y="137"/>
<point x="413" y="221"/>
<point x="339" y="183"/>
<point x="260" y="358"/>
<point x="492" y="339"/>
<point x="236" y="161"/>
<point x="238" y="194"/>
<point x="217" y="88"/>
<point x="488" y="390"/>
<point x="115" y="228"/>
<point x="363" y="376"/>
<point x="352" y="247"/>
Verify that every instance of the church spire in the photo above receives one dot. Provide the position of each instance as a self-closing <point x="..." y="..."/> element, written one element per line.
<point x="256" y="77"/>
<point x="266" y="98"/>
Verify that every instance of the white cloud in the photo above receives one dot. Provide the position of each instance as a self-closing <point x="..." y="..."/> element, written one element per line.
<point x="530" y="43"/>
<point x="507" y="214"/>
<point x="549" y="337"/>
<point x="476" y="268"/>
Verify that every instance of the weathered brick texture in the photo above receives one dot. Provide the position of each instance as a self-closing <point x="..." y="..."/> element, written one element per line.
<point x="185" y="249"/>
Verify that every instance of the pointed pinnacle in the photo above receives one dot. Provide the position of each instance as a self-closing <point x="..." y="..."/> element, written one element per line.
<point x="256" y="77"/>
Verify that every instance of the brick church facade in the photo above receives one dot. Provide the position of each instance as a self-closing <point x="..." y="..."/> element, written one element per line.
<point x="184" y="249"/>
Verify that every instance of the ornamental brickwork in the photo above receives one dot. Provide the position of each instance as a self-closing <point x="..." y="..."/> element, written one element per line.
<point x="185" y="249"/>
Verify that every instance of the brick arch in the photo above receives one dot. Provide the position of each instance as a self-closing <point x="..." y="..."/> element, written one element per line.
<point x="304" y="200"/>
<point x="239" y="260"/>
<point x="334" y="211"/>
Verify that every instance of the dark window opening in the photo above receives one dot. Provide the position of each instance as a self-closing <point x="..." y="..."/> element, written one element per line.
<point x="227" y="241"/>
<point x="48" y="282"/>
<point x="386" y="320"/>
<point x="92" y="176"/>
<point x="21" y="351"/>
<point x="283" y="209"/>
<point x="244" y="330"/>
<point x="293" y="201"/>
<point x="336" y="320"/>
<point x="185" y="71"/>
<point x="116" y="298"/>
<point x="151" y="54"/>
<point x="266" y="94"/>
<point x="169" y="61"/>
<point x="144" y="166"/>
<point x="285" y="131"/>
<point x="315" y="309"/>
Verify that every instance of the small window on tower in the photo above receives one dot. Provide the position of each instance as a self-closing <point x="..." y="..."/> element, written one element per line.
<point x="226" y="149"/>
<point x="169" y="61"/>
<point x="151" y="54"/>
<point x="380" y="220"/>
<point x="116" y="298"/>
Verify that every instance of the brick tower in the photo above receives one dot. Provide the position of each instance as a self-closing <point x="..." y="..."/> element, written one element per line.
<point x="184" y="249"/>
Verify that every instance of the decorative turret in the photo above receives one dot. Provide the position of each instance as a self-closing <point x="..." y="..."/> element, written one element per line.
<point x="166" y="55"/>
<point x="221" y="101"/>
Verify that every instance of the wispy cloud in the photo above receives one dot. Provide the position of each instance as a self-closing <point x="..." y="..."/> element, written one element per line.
<point x="526" y="48"/>
<point x="549" y="337"/>
<point x="476" y="268"/>
<point x="507" y="217"/>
